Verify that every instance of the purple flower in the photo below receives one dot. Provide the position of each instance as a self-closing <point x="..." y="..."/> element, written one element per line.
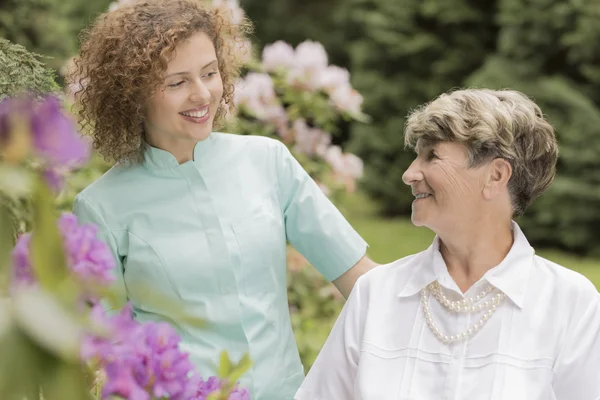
<point x="239" y="394"/>
<point x="146" y="357"/>
<point x="55" y="135"/>
<point x="54" y="178"/>
<point x="87" y="256"/>
<point x="55" y="138"/>
<point x="204" y="388"/>
<point x="21" y="271"/>
<point x="120" y="382"/>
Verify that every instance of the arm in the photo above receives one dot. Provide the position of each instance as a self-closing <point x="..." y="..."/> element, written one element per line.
<point x="345" y="283"/>
<point x="333" y="374"/>
<point x="315" y="227"/>
<point x="577" y="368"/>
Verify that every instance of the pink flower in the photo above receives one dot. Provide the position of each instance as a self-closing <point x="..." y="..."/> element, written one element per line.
<point x="346" y="99"/>
<point x="334" y="77"/>
<point x="278" y="56"/>
<point x="310" y="141"/>
<point x="236" y="13"/>
<point x="311" y="56"/>
<point x="310" y="62"/>
<point x="347" y="168"/>
<point x="256" y="95"/>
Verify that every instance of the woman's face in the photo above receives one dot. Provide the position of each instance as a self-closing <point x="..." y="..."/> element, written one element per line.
<point x="446" y="191"/>
<point x="182" y="110"/>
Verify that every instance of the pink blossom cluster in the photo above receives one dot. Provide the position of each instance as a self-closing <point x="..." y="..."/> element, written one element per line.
<point x="306" y="68"/>
<point x="347" y="167"/>
<point x="255" y="94"/>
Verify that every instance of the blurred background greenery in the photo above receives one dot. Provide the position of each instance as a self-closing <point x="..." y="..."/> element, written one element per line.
<point x="400" y="54"/>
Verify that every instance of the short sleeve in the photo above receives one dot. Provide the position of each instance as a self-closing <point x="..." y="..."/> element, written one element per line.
<point x="314" y="226"/>
<point x="86" y="213"/>
<point x="333" y="374"/>
<point x="577" y="368"/>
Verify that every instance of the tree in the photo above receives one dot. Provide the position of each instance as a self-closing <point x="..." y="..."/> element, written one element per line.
<point x="405" y="53"/>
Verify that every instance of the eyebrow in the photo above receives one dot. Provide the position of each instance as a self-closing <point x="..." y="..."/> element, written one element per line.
<point x="186" y="72"/>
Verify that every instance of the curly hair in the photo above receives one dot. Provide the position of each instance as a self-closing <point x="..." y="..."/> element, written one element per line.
<point x="124" y="55"/>
<point x="492" y="124"/>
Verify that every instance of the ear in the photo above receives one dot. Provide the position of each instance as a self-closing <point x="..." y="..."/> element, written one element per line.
<point x="499" y="173"/>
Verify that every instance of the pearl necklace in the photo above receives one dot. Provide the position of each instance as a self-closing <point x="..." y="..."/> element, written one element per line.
<point x="467" y="305"/>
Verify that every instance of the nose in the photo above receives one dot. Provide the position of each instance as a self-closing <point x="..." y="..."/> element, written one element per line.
<point x="200" y="93"/>
<point x="413" y="173"/>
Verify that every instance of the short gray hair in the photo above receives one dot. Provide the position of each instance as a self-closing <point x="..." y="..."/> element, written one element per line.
<point x="492" y="124"/>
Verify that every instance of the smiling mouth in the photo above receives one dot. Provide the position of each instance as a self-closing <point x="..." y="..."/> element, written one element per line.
<point x="422" y="196"/>
<point x="195" y="114"/>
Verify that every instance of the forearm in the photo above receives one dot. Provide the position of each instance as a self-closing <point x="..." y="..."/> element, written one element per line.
<point x="346" y="282"/>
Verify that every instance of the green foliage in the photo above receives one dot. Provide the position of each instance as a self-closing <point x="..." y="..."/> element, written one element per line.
<point x="304" y="19"/>
<point x="566" y="215"/>
<point x="40" y="330"/>
<point x="314" y="306"/>
<point x="42" y="26"/>
<point x="404" y="54"/>
<point x="22" y="71"/>
<point x="407" y="52"/>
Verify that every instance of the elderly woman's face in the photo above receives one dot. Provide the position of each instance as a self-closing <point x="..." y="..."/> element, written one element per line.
<point x="185" y="104"/>
<point x="446" y="191"/>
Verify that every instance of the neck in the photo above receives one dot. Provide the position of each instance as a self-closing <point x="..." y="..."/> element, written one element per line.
<point x="182" y="150"/>
<point x="470" y="252"/>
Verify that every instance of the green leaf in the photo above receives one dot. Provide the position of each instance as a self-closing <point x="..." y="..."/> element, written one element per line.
<point x="47" y="252"/>
<point x="66" y="381"/>
<point x="224" y="365"/>
<point x="240" y="369"/>
<point x="6" y="239"/>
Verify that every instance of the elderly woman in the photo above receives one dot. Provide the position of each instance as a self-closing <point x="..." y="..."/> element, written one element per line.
<point x="197" y="217"/>
<point x="477" y="315"/>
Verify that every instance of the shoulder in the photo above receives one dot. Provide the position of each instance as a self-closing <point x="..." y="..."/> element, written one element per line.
<point x="252" y="142"/>
<point x="107" y="195"/>
<point x="565" y="282"/>
<point x="110" y="183"/>
<point x="389" y="279"/>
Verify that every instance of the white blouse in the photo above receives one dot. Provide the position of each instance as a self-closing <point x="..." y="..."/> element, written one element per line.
<point x="542" y="342"/>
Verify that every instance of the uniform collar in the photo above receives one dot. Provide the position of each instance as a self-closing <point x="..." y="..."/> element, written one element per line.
<point x="155" y="158"/>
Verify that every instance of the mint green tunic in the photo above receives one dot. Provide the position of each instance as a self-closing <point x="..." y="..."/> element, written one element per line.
<point x="209" y="236"/>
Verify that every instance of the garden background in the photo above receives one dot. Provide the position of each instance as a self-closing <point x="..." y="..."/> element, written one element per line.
<point x="399" y="54"/>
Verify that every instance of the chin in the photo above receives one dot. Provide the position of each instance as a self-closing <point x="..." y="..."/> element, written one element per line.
<point x="200" y="134"/>
<point x="416" y="221"/>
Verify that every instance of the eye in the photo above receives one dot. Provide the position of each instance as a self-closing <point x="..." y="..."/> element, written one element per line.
<point x="431" y="155"/>
<point x="211" y="74"/>
<point x="176" y="84"/>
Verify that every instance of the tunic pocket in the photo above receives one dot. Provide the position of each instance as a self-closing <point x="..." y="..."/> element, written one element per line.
<point x="262" y="250"/>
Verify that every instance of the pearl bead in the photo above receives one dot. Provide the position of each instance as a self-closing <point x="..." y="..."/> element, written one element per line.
<point x="463" y="305"/>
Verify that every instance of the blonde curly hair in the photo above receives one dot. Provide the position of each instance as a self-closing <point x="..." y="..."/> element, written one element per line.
<point x="492" y="124"/>
<point x="124" y="55"/>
